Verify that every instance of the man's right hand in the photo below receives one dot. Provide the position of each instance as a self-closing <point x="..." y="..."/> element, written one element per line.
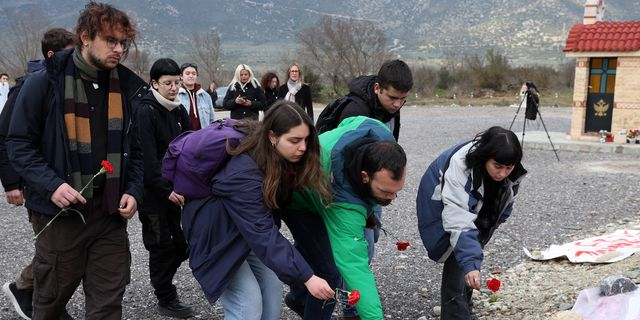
<point x="319" y="288"/>
<point x="65" y="195"/>
<point x="15" y="197"/>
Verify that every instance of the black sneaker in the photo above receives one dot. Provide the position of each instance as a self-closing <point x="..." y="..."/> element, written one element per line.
<point x="294" y="306"/>
<point x="175" y="309"/>
<point x="21" y="299"/>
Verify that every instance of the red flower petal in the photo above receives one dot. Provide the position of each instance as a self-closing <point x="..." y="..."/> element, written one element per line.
<point x="107" y="166"/>
<point x="493" y="284"/>
<point x="354" y="297"/>
<point x="402" y="245"/>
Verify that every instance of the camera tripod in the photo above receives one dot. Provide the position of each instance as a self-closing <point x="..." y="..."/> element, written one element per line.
<point x="524" y="123"/>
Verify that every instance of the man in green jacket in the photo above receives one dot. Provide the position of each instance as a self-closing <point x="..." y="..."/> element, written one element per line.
<point x="367" y="168"/>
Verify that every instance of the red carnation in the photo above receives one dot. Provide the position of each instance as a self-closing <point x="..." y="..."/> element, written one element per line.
<point x="107" y="166"/>
<point x="354" y="297"/>
<point x="493" y="284"/>
<point x="402" y="245"/>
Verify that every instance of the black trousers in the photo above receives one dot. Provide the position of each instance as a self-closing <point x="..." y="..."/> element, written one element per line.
<point x="455" y="296"/>
<point x="163" y="237"/>
<point x="312" y="241"/>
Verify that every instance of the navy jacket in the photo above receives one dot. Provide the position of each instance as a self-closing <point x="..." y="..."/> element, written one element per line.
<point x="447" y="210"/>
<point x="37" y="139"/>
<point x="231" y="225"/>
<point x="10" y="179"/>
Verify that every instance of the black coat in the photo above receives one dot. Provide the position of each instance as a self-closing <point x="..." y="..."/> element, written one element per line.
<point x="255" y="94"/>
<point x="365" y="102"/>
<point x="8" y="176"/>
<point x="303" y="97"/>
<point x="214" y="96"/>
<point x="272" y="96"/>
<point x="37" y="140"/>
<point x="158" y="127"/>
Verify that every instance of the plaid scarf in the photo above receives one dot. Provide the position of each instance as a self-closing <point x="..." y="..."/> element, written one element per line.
<point x="76" y="119"/>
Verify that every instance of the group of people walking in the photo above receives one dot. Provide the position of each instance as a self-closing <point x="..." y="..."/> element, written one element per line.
<point x="83" y="108"/>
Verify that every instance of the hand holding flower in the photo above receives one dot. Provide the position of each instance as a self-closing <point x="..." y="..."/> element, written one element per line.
<point x="65" y="195"/>
<point x="472" y="279"/>
<point x="319" y="288"/>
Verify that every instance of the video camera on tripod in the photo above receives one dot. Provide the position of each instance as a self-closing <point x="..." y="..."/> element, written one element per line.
<point x="531" y="96"/>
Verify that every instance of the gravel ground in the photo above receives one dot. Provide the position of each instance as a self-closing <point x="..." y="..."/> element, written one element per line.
<point x="558" y="200"/>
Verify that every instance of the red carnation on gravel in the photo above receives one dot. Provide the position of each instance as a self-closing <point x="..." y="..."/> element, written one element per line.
<point x="402" y="245"/>
<point x="493" y="284"/>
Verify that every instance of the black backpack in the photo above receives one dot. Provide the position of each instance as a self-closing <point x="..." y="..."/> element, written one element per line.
<point x="330" y="116"/>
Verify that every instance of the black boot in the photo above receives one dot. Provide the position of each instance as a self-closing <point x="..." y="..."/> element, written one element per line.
<point x="175" y="309"/>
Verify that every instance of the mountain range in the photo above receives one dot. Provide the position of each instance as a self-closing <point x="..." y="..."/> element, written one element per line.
<point x="526" y="32"/>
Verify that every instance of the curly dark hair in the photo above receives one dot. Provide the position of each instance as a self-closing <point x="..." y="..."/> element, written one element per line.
<point x="103" y="18"/>
<point x="266" y="79"/>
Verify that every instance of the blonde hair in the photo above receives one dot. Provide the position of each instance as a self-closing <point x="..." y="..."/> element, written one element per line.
<point x="236" y="77"/>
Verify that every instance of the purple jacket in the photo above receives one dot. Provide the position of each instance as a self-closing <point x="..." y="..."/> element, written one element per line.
<point x="235" y="222"/>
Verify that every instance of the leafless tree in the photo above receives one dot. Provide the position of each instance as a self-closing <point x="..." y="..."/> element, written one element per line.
<point x="21" y="42"/>
<point x="138" y="61"/>
<point x="342" y="49"/>
<point x="205" y="52"/>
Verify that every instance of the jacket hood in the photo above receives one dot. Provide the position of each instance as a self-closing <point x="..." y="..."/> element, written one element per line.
<point x="353" y="158"/>
<point x="35" y="65"/>
<point x="55" y="63"/>
<point x="362" y="87"/>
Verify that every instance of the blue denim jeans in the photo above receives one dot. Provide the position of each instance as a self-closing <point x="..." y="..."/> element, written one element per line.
<point x="254" y="293"/>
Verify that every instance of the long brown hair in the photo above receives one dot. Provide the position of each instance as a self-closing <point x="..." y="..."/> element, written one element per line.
<point x="276" y="188"/>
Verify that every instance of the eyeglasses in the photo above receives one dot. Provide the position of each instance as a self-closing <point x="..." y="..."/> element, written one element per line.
<point x="113" y="42"/>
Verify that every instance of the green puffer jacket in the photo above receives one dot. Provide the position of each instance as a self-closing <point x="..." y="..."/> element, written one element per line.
<point x="345" y="218"/>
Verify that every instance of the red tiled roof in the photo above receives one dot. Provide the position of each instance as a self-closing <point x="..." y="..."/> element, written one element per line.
<point x="604" y="36"/>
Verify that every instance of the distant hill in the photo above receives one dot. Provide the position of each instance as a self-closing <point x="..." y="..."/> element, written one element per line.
<point x="526" y="31"/>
